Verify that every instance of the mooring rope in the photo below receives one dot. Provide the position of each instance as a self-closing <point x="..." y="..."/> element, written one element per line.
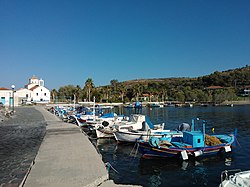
<point x="132" y="150"/>
<point x="137" y="147"/>
<point x="237" y="141"/>
<point x="108" y="165"/>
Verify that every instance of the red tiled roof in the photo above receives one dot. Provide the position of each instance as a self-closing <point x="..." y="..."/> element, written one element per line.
<point x="214" y="87"/>
<point x="2" y="88"/>
<point x="34" y="87"/>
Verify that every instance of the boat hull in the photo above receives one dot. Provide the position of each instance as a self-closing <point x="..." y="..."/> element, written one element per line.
<point x="127" y="136"/>
<point x="104" y="133"/>
<point x="148" y="151"/>
<point x="239" y="179"/>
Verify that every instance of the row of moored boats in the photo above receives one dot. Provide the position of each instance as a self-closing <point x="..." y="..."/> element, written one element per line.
<point x="154" y="141"/>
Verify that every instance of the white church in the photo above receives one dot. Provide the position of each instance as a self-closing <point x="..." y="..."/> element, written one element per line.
<point x="33" y="92"/>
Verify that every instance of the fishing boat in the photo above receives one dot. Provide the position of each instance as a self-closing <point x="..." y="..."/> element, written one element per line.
<point x="107" y="129"/>
<point x="154" y="105"/>
<point x="194" y="143"/>
<point x="144" y="130"/>
<point x="235" y="178"/>
<point x="104" y="132"/>
<point x="104" y="127"/>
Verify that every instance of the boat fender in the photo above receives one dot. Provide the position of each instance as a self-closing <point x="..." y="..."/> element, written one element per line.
<point x="227" y="149"/>
<point x="198" y="153"/>
<point x="184" y="155"/>
<point x="154" y="142"/>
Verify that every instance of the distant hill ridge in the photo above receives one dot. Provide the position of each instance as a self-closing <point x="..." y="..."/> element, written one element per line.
<point x="227" y="86"/>
<point x="240" y="76"/>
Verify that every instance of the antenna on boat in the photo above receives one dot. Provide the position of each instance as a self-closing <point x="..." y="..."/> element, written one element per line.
<point x="203" y="130"/>
<point x="74" y="102"/>
<point x="94" y="108"/>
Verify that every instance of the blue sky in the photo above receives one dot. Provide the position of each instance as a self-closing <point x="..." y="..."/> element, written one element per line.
<point x="67" y="42"/>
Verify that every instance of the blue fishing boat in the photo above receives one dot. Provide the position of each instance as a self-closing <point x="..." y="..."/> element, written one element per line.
<point x="193" y="143"/>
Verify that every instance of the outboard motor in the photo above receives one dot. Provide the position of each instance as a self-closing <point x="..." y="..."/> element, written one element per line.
<point x="184" y="127"/>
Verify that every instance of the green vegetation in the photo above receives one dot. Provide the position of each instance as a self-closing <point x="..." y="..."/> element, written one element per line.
<point x="229" y="87"/>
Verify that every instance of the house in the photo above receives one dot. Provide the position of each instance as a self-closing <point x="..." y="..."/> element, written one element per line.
<point x="6" y="96"/>
<point x="33" y="92"/>
<point x="247" y="91"/>
<point x="214" y="88"/>
<point x="145" y="97"/>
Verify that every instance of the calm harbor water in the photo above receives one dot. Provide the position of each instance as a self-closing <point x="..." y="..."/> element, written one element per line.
<point x="128" y="168"/>
<point x="21" y="136"/>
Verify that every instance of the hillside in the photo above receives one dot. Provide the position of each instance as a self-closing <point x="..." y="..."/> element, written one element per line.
<point x="230" y="78"/>
<point x="230" y="85"/>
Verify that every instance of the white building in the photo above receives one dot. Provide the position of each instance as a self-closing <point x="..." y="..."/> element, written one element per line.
<point x="6" y="96"/>
<point x="34" y="92"/>
<point x="247" y="91"/>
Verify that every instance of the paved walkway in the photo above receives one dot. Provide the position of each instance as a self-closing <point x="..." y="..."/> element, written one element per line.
<point x="66" y="158"/>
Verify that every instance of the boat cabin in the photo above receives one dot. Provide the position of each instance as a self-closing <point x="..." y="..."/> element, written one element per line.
<point x="194" y="138"/>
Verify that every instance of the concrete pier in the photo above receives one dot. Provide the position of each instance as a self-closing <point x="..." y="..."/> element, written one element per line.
<point x="66" y="158"/>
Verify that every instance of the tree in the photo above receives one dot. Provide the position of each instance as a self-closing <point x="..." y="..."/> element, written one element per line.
<point x="114" y="84"/>
<point x="66" y="92"/>
<point x="54" y="95"/>
<point x="183" y="89"/>
<point x="89" y="85"/>
<point x="137" y="91"/>
<point x="122" y="90"/>
<point x="77" y="93"/>
<point x="180" y="96"/>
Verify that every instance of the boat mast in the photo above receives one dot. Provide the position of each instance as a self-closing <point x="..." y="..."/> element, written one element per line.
<point x="94" y="109"/>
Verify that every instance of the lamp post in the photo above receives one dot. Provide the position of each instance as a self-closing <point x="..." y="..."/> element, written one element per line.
<point x="13" y="101"/>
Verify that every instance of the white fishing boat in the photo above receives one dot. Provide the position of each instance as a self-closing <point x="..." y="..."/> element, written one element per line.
<point x="235" y="178"/>
<point x="142" y="129"/>
<point x="95" y="116"/>
<point x="96" y="121"/>
<point x="106" y="130"/>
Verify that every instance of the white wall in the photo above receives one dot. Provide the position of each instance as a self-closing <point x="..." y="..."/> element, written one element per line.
<point x="23" y="94"/>
<point x="5" y="96"/>
<point x="41" y="94"/>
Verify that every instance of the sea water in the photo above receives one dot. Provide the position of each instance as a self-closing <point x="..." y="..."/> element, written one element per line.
<point x="127" y="167"/>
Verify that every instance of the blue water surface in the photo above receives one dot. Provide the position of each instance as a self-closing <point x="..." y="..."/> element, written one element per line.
<point x="127" y="167"/>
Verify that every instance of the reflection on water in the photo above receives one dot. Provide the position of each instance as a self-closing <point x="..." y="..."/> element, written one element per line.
<point x="171" y="172"/>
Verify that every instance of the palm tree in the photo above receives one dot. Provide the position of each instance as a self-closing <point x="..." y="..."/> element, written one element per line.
<point x="77" y="93"/>
<point x="122" y="90"/>
<point x="114" y="84"/>
<point x="89" y="85"/>
<point x="137" y="90"/>
<point x="54" y="95"/>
